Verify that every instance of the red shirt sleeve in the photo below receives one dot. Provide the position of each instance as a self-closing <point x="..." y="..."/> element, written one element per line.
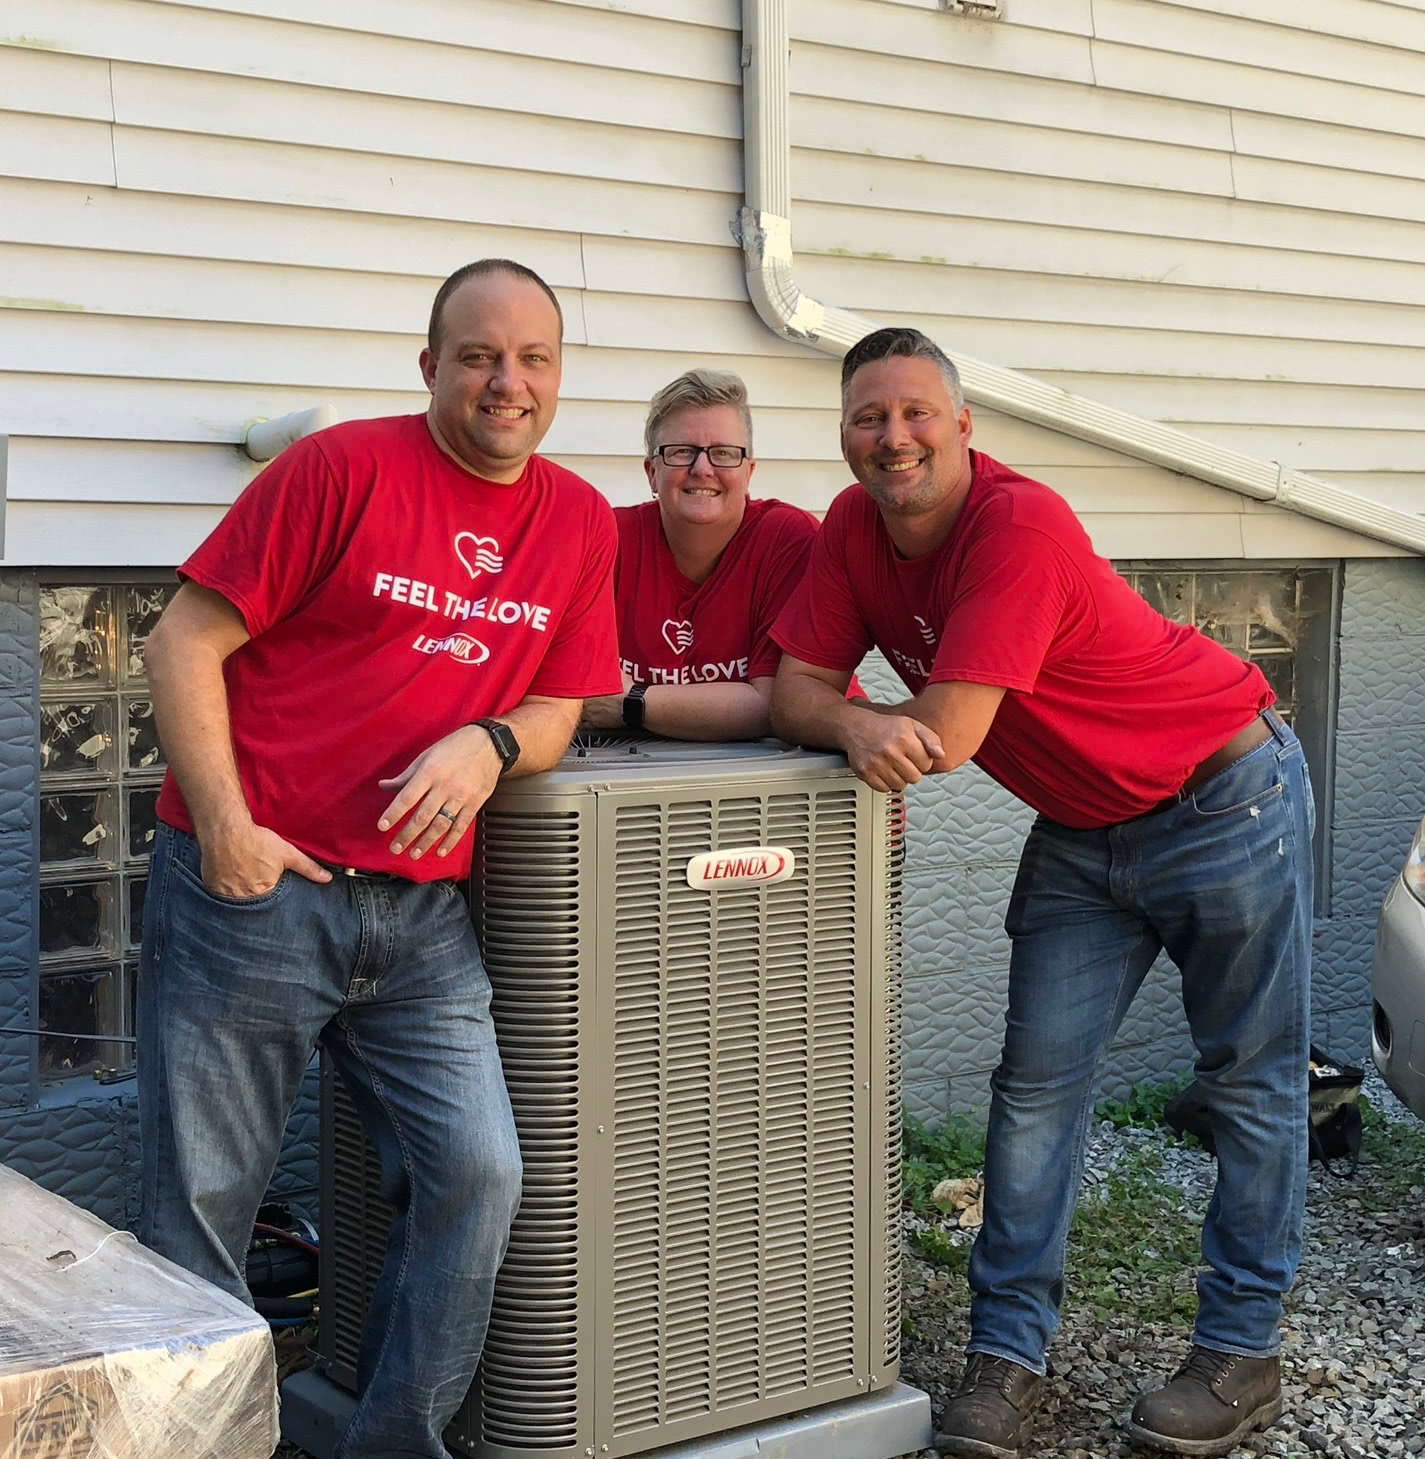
<point x="582" y="660"/>
<point x="1007" y="604"/>
<point x="279" y="539"/>
<point x="820" y="622"/>
<point x="782" y="572"/>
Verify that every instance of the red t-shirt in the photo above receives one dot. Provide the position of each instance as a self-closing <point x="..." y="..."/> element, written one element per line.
<point x="392" y="598"/>
<point x="1110" y="706"/>
<point x="675" y="631"/>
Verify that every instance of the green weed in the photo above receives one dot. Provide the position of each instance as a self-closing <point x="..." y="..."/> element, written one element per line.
<point x="935" y="1245"/>
<point x="1143" y="1109"/>
<point x="1392" y="1162"/>
<point x="956" y="1149"/>
<point x="1132" y="1250"/>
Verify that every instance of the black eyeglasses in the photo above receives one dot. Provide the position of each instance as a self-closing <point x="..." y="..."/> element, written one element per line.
<point x="687" y="455"/>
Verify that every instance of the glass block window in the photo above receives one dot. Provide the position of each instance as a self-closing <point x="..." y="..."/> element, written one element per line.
<point x="100" y="769"/>
<point x="1260" y="615"/>
<point x="1280" y="617"/>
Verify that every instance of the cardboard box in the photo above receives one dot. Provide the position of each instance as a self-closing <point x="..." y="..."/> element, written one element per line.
<point x="108" y="1351"/>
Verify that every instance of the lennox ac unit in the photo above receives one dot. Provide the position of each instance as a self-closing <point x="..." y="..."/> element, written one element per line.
<point x="707" y="1089"/>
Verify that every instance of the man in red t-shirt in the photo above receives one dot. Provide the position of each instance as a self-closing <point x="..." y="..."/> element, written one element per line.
<point x="1175" y="813"/>
<point x="703" y="570"/>
<point x="392" y="616"/>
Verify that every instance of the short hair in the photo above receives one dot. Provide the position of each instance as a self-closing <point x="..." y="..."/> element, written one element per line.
<point x="696" y="390"/>
<point x="480" y="269"/>
<point x="899" y="343"/>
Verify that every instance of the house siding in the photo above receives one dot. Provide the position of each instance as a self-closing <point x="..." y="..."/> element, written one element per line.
<point x="1206" y="214"/>
<point x="214" y="212"/>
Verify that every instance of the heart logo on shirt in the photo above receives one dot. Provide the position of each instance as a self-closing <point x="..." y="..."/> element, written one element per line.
<point x="478" y="554"/>
<point x="678" y="634"/>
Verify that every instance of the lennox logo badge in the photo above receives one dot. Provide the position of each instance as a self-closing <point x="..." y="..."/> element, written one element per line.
<point x="741" y="866"/>
<point x="460" y="646"/>
<point x="478" y="554"/>
<point x="678" y="635"/>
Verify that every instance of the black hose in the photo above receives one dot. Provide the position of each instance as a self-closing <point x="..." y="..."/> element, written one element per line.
<point x="283" y="1306"/>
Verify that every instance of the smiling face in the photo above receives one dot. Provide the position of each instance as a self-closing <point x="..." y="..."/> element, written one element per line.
<point x="494" y="381"/>
<point x="702" y="495"/>
<point x="904" y="439"/>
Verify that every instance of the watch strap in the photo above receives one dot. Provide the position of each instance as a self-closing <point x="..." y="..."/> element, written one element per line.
<point x="634" y="708"/>
<point x="507" y="747"/>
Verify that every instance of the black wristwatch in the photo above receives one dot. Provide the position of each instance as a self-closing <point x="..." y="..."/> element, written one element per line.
<point x="634" y="707"/>
<point x="507" y="747"/>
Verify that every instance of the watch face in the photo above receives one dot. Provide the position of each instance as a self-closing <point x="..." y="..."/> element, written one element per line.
<point x="506" y="745"/>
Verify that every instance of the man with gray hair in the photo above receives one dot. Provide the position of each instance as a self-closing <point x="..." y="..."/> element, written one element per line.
<point x="1175" y="813"/>
<point x="703" y="571"/>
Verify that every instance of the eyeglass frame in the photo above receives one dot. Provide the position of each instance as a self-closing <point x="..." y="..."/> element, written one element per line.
<point x="698" y="451"/>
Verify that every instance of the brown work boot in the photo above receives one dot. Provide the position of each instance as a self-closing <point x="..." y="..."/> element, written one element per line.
<point x="1213" y="1402"/>
<point x="989" y="1416"/>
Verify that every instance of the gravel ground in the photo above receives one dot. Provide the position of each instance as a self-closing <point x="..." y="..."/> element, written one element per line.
<point x="1354" y="1332"/>
<point x="1353" y="1335"/>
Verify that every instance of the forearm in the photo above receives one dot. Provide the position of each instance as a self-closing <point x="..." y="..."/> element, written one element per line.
<point x="960" y="714"/>
<point x="809" y="711"/>
<point x="544" y="728"/>
<point x="708" y="711"/>
<point x="190" y="705"/>
<point x="912" y="709"/>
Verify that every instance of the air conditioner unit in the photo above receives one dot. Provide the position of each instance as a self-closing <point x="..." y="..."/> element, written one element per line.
<point x="704" y="1063"/>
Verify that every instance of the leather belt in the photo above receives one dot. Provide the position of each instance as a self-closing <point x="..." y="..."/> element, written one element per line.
<point x="1242" y="743"/>
<point x="356" y="871"/>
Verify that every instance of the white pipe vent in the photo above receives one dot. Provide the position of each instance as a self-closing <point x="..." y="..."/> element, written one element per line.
<point x="268" y="438"/>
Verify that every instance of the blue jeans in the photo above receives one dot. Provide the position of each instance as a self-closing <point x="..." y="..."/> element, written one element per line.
<point x="387" y="977"/>
<point x="1223" y="882"/>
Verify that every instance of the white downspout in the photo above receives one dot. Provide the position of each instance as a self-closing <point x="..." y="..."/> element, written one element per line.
<point x="265" y="439"/>
<point x="765" y="231"/>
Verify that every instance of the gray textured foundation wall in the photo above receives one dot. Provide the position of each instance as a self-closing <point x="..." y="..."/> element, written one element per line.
<point x="962" y="854"/>
<point x="87" y="1150"/>
<point x="19" y="834"/>
<point x="1379" y="786"/>
<point x="965" y="835"/>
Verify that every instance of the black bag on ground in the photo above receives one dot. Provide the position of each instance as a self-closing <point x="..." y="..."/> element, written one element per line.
<point x="1335" y="1126"/>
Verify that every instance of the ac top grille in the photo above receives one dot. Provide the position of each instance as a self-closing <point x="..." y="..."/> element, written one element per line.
<point x="735" y="1213"/>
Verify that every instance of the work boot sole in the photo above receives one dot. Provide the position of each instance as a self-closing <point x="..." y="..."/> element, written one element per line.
<point x="972" y="1448"/>
<point x="1265" y="1416"/>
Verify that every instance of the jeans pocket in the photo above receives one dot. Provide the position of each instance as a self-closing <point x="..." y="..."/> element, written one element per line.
<point x="195" y="880"/>
<point x="1253" y="783"/>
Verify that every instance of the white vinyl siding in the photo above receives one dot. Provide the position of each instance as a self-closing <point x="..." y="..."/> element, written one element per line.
<point x="1207" y="214"/>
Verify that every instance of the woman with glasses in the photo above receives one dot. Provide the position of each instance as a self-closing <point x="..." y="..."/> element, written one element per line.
<point x="703" y="571"/>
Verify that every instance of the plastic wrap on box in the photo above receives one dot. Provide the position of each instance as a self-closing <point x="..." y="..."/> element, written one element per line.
<point x="108" y="1351"/>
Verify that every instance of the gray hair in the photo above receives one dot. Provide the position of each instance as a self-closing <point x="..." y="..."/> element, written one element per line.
<point x="900" y="343"/>
<point x="696" y="390"/>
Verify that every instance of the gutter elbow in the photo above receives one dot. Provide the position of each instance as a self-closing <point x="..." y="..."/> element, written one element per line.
<point x="767" y="261"/>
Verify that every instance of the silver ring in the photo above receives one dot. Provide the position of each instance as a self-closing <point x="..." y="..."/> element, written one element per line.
<point x="449" y="815"/>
